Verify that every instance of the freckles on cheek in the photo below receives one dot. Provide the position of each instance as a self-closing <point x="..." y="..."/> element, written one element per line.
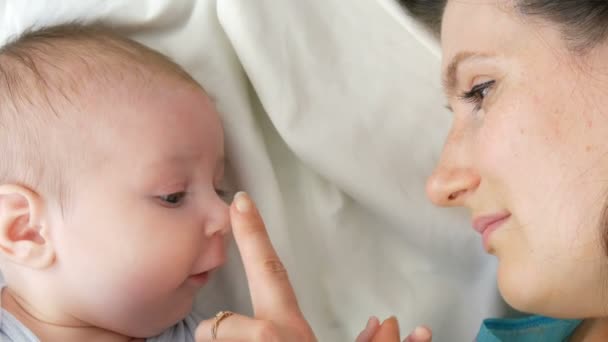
<point x="554" y="127"/>
<point x="499" y="162"/>
<point x="499" y="146"/>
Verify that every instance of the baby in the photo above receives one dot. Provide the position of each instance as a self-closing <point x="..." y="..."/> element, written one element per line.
<point x="111" y="216"/>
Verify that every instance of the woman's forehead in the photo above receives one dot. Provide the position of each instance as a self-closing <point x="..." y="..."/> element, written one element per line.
<point x="482" y="28"/>
<point x="477" y="26"/>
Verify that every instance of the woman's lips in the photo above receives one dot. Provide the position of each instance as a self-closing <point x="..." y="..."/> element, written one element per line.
<point x="486" y="225"/>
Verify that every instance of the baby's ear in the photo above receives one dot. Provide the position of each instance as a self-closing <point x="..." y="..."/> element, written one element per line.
<point x="23" y="237"/>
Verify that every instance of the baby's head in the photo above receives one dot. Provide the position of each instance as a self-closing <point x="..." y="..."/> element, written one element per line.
<point x="111" y="161"/>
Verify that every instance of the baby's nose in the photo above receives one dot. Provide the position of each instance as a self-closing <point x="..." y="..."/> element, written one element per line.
<point x="219" y="222"/>
<point x="213" y="229"/>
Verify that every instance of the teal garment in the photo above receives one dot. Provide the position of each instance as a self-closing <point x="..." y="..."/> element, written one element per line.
<point x="527" y="329"/>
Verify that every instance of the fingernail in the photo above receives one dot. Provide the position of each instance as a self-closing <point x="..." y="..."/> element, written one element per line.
<point x="391" y="318"/>
<point x="421" y="333"/>
<point x="370" y="321"/>
<point x="243" y="204"/>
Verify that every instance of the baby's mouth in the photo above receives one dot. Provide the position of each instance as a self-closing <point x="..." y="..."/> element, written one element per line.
<point x="200" y="279"/>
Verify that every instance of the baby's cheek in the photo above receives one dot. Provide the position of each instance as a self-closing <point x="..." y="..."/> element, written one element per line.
<point x="157" y="273"/>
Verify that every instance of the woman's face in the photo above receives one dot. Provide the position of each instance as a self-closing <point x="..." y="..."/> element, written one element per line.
<point x="527" y="154"/>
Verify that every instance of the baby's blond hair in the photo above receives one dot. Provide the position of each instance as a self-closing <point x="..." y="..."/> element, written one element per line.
<point x="44" y="74"/>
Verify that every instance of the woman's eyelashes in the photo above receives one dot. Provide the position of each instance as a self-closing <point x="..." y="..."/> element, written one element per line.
<point x="477" y="94"/>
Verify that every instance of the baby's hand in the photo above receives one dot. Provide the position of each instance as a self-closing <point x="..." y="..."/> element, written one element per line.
<point x="277" y="316"/>
<point x="389" y="332"/>
<point x="420" y="334"/>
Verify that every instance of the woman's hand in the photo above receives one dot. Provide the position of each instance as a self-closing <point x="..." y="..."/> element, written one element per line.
<point x="277" y="316"/>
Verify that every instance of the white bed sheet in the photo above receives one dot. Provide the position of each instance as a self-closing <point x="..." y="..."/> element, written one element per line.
<point x="334" y="118"/>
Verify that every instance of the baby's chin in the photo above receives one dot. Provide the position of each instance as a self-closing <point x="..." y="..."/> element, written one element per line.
<point x="147" y="329"/>
<point x="151" y="322"/>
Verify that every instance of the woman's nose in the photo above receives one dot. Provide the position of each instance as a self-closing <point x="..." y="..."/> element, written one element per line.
<point x="455" y="178"/>
<point x="448" y="187"/>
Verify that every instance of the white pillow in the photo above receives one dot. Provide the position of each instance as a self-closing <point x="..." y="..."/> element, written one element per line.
<point x="334" y="118"/>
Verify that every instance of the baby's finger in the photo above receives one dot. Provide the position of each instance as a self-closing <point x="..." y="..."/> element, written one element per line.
<point x="420" y="334"/>
<point x="370" y="330"/>
<point x="271" y="293"/>
<point x="236" y="328"/>
<point x="388" y="331"/>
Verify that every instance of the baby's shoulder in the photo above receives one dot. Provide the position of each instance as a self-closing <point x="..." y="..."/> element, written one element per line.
<point x="183" y="331"/>
<point x="12" y="330"/>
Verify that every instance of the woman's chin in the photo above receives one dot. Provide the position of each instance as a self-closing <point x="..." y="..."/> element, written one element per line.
<point x="523" y="290"/>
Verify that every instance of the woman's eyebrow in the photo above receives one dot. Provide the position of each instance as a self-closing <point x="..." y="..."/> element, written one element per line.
<point x="450" y="75"/>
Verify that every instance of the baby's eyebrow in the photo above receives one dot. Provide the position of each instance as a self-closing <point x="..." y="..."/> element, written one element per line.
<point x="172" y="159"/>
<point x="178" y="159"/>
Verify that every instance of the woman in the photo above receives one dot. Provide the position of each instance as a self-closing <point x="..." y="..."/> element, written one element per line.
<point x="527" y="154"/>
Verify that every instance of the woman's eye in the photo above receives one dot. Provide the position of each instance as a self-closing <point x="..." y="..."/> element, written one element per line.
<point x="477" y="94"/>
<point x="174" y="199"/>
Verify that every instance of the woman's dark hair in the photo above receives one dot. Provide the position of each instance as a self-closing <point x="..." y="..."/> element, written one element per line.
<point x="584" y="23"/>
<point x="429" y="12"/>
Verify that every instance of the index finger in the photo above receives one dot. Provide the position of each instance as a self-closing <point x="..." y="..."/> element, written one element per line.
<point x="272" y="295"/>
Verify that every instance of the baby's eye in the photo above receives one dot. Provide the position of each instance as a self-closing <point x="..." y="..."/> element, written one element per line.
<point x="174" y="199"/>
